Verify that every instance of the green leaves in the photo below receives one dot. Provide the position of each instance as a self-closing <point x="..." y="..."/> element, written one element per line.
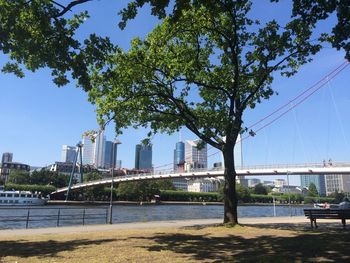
<point x="312" y="11"/>
<point x="197" y="71"/>
<point x="35" y="35"/>
<point x="13" y="68"/>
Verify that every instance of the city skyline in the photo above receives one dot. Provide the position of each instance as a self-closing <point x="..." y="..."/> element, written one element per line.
<point x="42" y="117"/>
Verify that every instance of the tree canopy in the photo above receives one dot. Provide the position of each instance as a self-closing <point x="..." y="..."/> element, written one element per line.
<point x="138" y="191"/>
<point x="19" y="177"/>
<point x="260" y="189"/>
<point x="50" y="39"/>
<point x="312" y="190"/>
<point x="42" y="177"/>
<point x="311" y="11"/>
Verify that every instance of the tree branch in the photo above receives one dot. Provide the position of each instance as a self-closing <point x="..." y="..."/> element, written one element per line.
<point x="67" y="8"/>
<point x="245" y="102"/>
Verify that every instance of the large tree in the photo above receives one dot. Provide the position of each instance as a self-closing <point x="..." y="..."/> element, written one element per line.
<point x="201" y="71"/>
<point x="201" y="68"/>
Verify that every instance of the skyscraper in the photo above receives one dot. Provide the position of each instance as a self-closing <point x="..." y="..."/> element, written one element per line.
<point x="194" y="157"/>
<point x="108" y="155"/>
<point x="68" y="154"/>
<point x="179" y="156"/>
<point x="143" y="156"/>
<point x="88" y="151"/>
<point x="7" y="158"/>
<point x="318" y="180"/>
<point x="100" y="143"/>
<point x="93" y="150"/>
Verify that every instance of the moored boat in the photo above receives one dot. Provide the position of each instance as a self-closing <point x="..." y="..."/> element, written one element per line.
<point x="20" y="198"/>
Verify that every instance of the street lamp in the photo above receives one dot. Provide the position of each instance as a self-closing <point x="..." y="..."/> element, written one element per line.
<point x="290" y="208"/>
<point x="114" y="156"/>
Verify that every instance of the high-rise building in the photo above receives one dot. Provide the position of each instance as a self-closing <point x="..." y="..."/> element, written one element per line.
<point x="93" y="150"/>
<point x="7" y="158"/>
<point x="318" y="180"/>
<point x="108" y="155"/>
<point x="195" y="158"/>
<point x="68" y="154"/>
<point x="88" y="151"/>
<point x="337" y="182"/>
<point x="143" y="156"/>
<point x="179" y="156"/>
<point x="100" y="143"/>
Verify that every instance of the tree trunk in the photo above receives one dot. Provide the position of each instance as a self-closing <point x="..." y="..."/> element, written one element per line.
<point x="230" y="197"/>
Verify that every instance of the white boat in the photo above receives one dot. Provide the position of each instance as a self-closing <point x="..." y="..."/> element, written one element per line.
<point x="20" y="198"/>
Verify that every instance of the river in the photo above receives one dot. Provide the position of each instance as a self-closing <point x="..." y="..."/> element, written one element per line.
<point x="47" y="216"/>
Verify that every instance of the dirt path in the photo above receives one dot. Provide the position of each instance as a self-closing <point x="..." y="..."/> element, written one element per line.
<point x="147" y="225"/>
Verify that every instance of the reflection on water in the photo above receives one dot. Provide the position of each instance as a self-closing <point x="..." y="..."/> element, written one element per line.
<point x="46" y="216"/>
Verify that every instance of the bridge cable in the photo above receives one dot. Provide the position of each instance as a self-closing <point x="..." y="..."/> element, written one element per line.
<point x="332" y="75"/>
<point x="299" y="134"/>
<point x="315" y="86"/>
<point x="339" y="68"/>
<point x="337" y="114"/>
<point x="296" y="104"/>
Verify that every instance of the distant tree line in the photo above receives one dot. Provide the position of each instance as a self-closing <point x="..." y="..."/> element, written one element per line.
<point x="41" y="177"/>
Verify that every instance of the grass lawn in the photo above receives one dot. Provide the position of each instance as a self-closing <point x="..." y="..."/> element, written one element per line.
<point x="264" y="243"/>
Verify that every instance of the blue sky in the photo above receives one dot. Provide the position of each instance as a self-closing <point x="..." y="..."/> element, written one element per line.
<point x="38" y="118"/>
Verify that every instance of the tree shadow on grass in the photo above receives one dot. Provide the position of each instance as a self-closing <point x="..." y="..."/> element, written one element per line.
<point x="304" y="247"/>
<point x="323" y="227"/>
<point x="24" y="248"/>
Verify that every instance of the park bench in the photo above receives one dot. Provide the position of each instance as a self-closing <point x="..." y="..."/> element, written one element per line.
<point x="314" y="214"/>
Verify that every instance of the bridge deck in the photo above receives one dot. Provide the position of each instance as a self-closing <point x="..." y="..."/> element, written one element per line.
<point x="305" y="169"/>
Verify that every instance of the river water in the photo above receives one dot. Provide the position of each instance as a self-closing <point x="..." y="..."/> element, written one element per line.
<point x="50" y="216"/>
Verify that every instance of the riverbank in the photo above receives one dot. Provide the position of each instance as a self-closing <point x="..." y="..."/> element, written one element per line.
<point x="97" y="203"/>
<point x="283" y="239"/>
<point x="104" y="203"/>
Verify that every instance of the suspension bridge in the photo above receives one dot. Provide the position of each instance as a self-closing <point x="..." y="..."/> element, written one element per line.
<point x="297" y="170"/>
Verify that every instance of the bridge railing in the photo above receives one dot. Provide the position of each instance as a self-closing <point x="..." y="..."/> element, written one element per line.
<point x="32" y="217"/>
<point x="198" y="170"/>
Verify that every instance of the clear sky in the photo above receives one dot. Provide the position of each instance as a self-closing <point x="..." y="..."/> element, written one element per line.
<point x="37" y="118"/>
